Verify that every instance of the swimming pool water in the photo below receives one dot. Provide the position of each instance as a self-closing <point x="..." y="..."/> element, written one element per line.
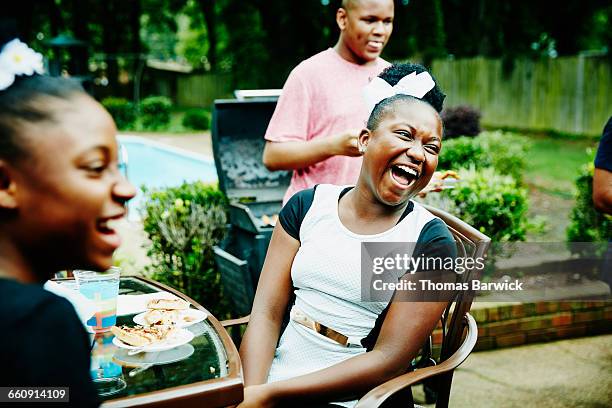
<point x="155" y="165"/>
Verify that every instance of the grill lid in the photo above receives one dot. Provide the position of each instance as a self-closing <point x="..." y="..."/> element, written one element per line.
<point x="238" y="128"/>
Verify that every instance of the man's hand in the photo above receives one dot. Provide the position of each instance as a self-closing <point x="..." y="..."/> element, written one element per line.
<point x="300" y="155"/>
<point x="345" y="144"/>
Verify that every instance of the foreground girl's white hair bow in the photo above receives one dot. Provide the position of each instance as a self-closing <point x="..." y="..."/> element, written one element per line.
<point x="16" y="58"/>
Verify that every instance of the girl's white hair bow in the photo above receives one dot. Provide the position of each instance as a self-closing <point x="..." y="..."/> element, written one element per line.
<point x="413" y="84"/>
<point x="17" y="58"/>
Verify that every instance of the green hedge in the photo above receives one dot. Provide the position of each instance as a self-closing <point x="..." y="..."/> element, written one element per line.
<point x="122" y="111"/>
<point x="505" y="152"/>
<point x="493" y="203"/>
<point x="586" y="223"/>
<point x="197" y="119"/>
<point x="155" y="112"/>
<point x="183" y="224"/>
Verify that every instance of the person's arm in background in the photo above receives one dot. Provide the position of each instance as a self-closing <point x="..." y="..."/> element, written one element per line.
<point x="602" y="190"/>
<point x="602" y="177"/>
<point x="297" y="155"/>
<point x="288" y="142"/>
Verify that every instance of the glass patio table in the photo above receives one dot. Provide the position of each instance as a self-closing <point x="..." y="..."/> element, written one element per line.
<point x="208" y="372"/>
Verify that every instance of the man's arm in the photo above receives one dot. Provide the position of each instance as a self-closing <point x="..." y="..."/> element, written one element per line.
<point x="299" y="154"/>
<point x="602" y="190"/>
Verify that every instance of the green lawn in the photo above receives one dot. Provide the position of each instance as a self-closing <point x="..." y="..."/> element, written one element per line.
<point x="553" y="164"/>
<point x="176" y="122"/>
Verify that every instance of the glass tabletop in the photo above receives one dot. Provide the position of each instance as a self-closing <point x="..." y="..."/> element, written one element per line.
<point x="203" y="359"/>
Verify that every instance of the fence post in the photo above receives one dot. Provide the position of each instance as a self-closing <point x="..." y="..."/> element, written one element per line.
<point x="579" y="99"/>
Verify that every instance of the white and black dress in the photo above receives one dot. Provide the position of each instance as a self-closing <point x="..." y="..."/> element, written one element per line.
<point x="326" y="277"/>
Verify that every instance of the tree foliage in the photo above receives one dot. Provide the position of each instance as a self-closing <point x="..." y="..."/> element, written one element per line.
<point x="259" y="41"/>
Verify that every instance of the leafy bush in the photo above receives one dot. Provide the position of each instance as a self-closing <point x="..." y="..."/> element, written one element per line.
<point x="155" y="112"/>
<point x="586" y="223"/>
<point x="121" y="110"/>
<point x="461" y="120"/>
<point x="505" y="152"/>
<point x="183" y="224"/>
<point x="197" y="119"/>
<point x="459" y="153"/>
<point x="491" y="202"/>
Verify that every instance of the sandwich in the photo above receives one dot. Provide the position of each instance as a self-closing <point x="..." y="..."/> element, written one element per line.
<point x="161" y="317"/>
<point x="139" y="336"/>
<point x="168" y="304"/>
<point x="449" y="173"/>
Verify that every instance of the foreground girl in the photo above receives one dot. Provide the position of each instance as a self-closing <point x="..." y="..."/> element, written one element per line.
<point x="60" y="191"/>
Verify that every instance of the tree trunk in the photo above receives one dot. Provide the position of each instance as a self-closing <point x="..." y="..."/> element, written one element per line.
<point x="110" y="44"/>
<point x="208" y="9"/>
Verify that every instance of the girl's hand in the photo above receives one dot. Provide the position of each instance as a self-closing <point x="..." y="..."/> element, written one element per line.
<point x="438" y="183"/>
<point x="256" y="396"/>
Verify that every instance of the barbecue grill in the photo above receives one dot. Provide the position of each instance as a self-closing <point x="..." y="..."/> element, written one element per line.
<point x="255" y="194"/>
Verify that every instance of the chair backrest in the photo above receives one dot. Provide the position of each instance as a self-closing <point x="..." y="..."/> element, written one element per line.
<point x="471" y="243"/>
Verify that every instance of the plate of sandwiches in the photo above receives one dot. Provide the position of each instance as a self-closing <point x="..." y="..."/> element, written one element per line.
<point x="169" y="312"/>
<point x="150" y="339"/>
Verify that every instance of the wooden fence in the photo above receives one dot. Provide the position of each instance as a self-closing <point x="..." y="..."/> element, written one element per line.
<point x="567" y="94"/>
<point x="200" y="90"/>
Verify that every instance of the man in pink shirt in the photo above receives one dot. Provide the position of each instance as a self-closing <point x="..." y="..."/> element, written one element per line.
<point x="321" y="111"/>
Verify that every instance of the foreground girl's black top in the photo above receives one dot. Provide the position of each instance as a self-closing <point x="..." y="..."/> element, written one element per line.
<point x="43" y="343"/>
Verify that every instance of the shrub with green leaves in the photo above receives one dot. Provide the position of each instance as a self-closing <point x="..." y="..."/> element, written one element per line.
<point x="183" y="224"/>
<point x="463" y="120"/>
<point x="493" y="203"/>
<point x="122" y="111"/>
<point x="586" y="223"/>
<point x="460" y="153"/>
<point x="505" y="152"/>
<point x="155" y="112"/>
<point x="197" y="119"/>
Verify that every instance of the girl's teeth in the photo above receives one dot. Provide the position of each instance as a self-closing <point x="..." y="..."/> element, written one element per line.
<point x="408" y="170"/>
<point x="112" y="224"/>
<point x="109" y="224"/>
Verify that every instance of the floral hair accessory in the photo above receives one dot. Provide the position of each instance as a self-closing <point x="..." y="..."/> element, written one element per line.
<point x="414" y="84"/>
<point x="16" y="58"/>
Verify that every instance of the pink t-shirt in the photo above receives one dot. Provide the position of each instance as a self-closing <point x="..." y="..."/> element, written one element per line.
<point x="323" y="96"/>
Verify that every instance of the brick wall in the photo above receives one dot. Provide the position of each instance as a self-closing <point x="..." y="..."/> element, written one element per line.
<point x="514" y="324"/>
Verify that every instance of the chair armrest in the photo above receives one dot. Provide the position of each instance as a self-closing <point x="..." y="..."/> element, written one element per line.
<point x="378" y="395"/>
<point x="235" y="322"/>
